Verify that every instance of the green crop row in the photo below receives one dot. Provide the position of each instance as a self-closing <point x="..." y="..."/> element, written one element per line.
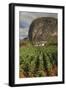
<point x="38" y="61"/>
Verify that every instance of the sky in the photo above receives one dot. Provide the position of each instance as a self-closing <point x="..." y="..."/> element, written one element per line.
<point x="26" y="18"/>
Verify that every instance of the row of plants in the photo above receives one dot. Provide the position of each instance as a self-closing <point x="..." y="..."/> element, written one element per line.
<point x="38" y="61"/>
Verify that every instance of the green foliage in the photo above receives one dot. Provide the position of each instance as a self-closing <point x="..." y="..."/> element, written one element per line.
<point x="38" y="61"/>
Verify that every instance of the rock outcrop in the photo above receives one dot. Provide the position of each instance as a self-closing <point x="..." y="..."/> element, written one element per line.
<point x="43" y="28"/>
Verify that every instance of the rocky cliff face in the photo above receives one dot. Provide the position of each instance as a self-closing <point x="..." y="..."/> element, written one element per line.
<point x="42" y="29"/>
